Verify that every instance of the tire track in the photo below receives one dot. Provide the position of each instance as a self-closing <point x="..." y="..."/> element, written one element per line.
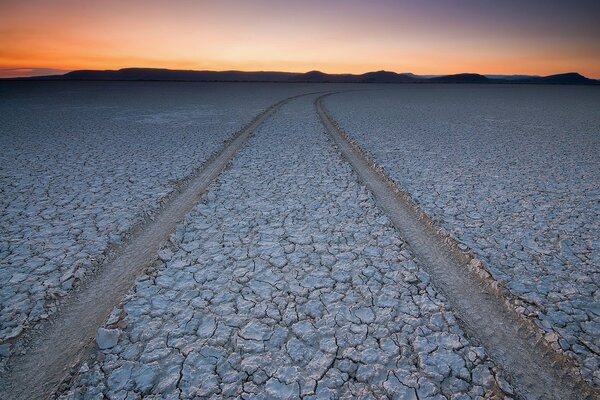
<point x="59" y="344"/>
<point x="283" y="271"/>
<point x="536" y="370"/>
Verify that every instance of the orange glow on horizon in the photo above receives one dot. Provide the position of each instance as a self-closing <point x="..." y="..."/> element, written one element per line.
<point x="69" y="35"/>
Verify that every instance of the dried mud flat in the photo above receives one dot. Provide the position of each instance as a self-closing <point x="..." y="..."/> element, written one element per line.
<point x="83" y="164"/>
<point x="289" y="279"/>
<point x="512" y="176"/>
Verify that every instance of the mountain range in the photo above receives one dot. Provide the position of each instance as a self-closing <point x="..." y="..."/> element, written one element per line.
<point x="157" y="74"/>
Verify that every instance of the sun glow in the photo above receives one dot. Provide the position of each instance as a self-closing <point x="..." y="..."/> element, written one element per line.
<point x="335" y="37"/>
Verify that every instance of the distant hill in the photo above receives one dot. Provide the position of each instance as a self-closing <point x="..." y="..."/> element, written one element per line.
<point x="462" y="78"/>
<point x="571" y="78"/>
<point x="389" y="77"/>
<point x="320" y="77"/>
<point x="157" y="74"/>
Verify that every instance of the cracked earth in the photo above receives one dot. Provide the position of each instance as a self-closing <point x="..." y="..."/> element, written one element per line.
<point x="286" y="288"/>
<point x="516" y="182"/>
<point x="75" y="180"/>
<point x="287" y="280"/>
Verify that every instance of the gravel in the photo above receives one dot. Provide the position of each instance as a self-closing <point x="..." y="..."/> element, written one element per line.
<point x="83" y="163"/>
<point x="512" y="173"/>
<point x="287" y="281"/>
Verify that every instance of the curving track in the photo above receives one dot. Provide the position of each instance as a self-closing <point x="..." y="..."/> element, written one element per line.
<point x="293" y="308"/>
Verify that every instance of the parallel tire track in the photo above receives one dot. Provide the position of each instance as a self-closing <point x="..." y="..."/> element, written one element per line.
<point x="58" y="345"/>
<point x="535" y="369"/>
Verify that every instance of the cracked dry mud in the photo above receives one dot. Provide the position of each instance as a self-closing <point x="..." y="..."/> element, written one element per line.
<point x="512" y="173"/>
<point x="286" y="282"/>
<point x="75" y="179"/>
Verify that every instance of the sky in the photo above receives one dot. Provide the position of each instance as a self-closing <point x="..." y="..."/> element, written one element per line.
<point x="40" y="37"/>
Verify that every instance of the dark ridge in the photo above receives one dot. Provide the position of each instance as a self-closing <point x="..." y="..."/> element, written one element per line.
<point x="312" y="76"/>
<point x="571" y="78"/>
<point x="462" y="78"/>
<point x="321" y="77"/>
<point x="388" y="77"/>
<point x="157" y="74"/>
<point x="154" y="74"/>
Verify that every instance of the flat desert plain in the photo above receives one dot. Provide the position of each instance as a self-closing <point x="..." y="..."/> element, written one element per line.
<point x="253" y="240"/>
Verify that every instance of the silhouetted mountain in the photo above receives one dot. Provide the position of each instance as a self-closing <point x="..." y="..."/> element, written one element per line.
<point x="321" y="77"/>
<point x="156" y="74"/>
<point x="571" y="78"/>
<point x="388" y="77"/>
<point x="312" y="76"/>
<point x="369" y="77"/>
<point x="461" y="78"/>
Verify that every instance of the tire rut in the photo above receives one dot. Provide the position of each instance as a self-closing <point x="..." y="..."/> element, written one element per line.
<point x="535" y="369"/>
<point x="57" y="345"/>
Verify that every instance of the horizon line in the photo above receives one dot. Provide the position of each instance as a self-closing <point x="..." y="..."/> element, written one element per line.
<point x="61" y="72"/>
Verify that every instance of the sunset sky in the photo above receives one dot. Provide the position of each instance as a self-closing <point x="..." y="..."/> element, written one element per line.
<point x="424" y="37"/>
